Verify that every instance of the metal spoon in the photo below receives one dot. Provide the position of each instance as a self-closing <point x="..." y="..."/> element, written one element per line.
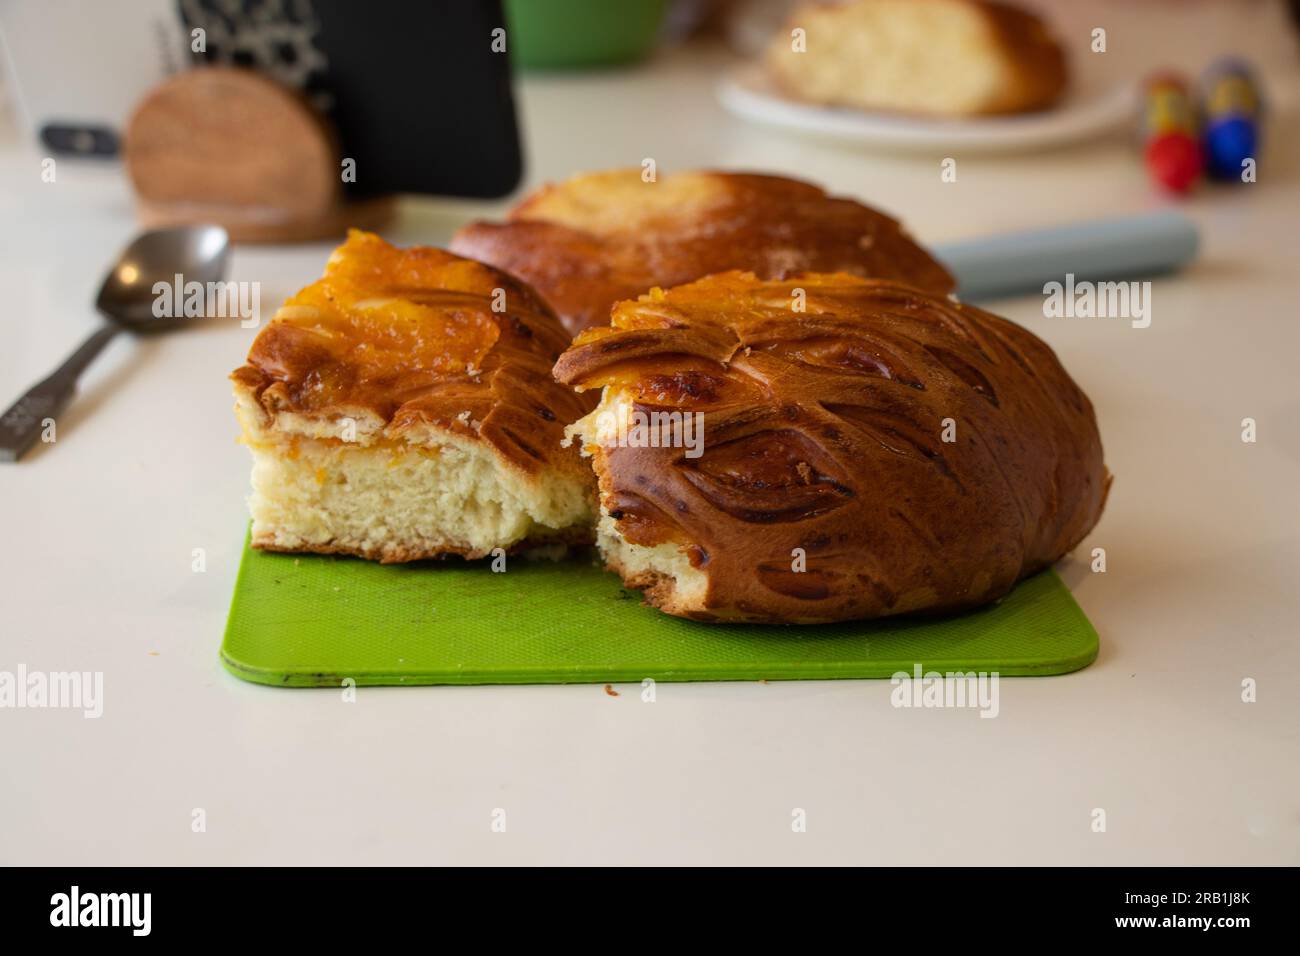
<point x="126" y="299"/>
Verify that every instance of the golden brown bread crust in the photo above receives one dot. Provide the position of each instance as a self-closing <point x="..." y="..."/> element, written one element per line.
<point x="604" y="237"/>
<point x="575" y="537"/>
<point x="1038" y="73"/>
<point x="1039" y="61"/>
<point x="824" y="431"/>
<point x="404" y="340"/>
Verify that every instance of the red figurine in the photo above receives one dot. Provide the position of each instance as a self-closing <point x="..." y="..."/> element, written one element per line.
<point x="1171" y="143"/>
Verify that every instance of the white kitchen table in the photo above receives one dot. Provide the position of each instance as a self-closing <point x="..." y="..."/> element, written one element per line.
<point x="1202" y="590"/>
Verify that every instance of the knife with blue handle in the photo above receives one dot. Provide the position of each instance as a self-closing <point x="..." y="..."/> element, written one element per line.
<point x="1018" y="263"/>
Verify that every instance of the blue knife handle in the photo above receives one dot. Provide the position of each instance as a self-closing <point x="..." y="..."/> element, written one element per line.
<point x="1022" y="262"/>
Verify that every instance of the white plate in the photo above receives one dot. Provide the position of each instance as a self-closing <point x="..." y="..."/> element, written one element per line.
<point x="748" y="93"/>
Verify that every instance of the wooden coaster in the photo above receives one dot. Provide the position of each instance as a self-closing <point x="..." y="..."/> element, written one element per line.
<point x="268" y="224"/>
<point x="225" y="145"/>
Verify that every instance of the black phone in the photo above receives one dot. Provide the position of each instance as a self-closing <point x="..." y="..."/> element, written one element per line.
<point x="419" y="93"/>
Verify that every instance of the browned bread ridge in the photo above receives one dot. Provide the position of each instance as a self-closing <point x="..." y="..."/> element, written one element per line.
<point x="602" y="237"/>
<point x="826" y="490"/>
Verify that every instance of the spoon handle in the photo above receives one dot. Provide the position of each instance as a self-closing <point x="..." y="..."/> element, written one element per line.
<point x="23" y="423"/>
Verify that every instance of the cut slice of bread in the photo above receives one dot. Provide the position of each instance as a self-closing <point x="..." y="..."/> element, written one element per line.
<point x="938" y="57"/>
<point x="402" y="408"/>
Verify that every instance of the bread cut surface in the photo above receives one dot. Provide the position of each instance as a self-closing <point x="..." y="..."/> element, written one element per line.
<point x="868" y="449"/>
<point x="402" y="408"/>
<point x="596" y="239"/>
<point x="937" y="57"/>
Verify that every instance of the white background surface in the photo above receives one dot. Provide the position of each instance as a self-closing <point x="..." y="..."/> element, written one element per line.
<point x="1202" y="534"/>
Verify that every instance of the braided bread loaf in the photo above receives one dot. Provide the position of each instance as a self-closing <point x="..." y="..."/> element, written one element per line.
<point x="594" y="240"/>
<point x="868" y="449"/>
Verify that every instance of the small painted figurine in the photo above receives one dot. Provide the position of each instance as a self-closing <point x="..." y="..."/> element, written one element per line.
<point x="1232" y="118"/>
<point x="1171" y="145"/>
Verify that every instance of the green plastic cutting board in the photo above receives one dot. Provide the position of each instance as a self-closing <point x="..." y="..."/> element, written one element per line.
<point x="311" y="621"/>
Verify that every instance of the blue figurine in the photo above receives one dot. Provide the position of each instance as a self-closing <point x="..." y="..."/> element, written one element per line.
<point x="1232" y="118"/>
